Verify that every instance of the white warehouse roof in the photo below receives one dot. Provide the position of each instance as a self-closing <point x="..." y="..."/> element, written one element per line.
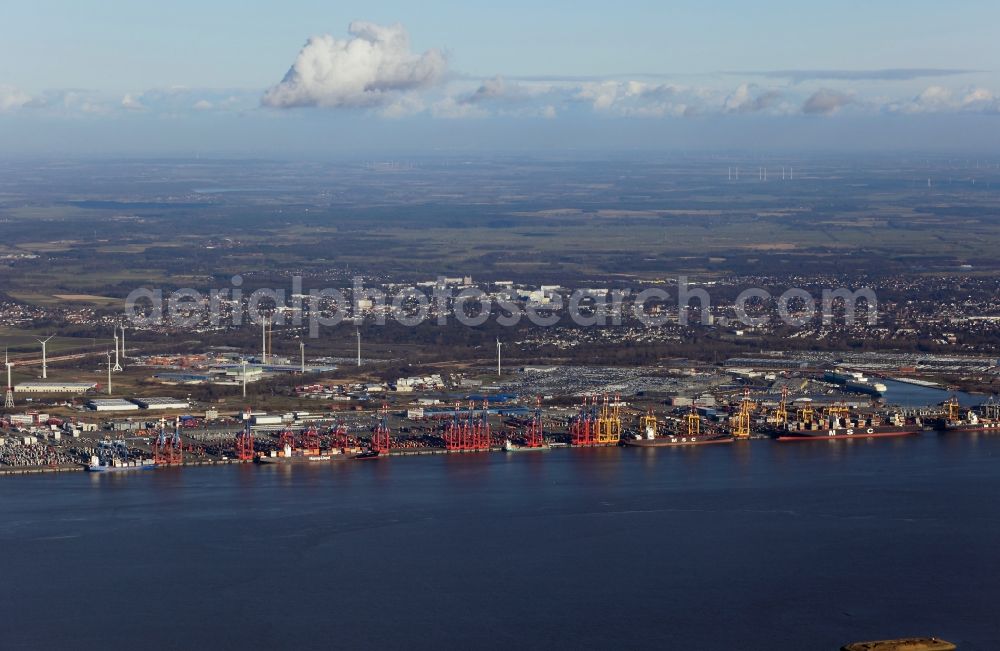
<point x="111" y="404"/>
<point x="54" y="387"/>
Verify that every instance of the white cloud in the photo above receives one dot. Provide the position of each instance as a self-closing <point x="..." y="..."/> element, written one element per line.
<point x="132" y="103"/>
<point x="81" y="101"/>
<point x="203" y="105"/>
<point x="500" y="90"/>
<point x="12" y="98"/>
<point x="602" y="95"/>
<point x="404" y="105"/>
<point x="938" y="99"/>
<point x="826" y="102"/>
<point x="495" y="88"/>
<point x="369" y="69"/>
<point x="641" y="99"/>
<point x="745" y="99"/>
<point x="452" y="108"/>
<point x="976" y="96"/>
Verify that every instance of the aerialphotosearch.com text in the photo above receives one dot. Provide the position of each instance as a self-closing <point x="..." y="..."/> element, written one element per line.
<point x="472" y="306"/>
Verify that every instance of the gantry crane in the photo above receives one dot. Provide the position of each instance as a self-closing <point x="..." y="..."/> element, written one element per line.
<point x="742" y="428"/>
<point x="245" y="442"/>
<point x="167" y="449"/>
<point x="694" y="421"/>
<point x="952" y="409"/>
<point x="781" y="415"/>
<point x="380" y="437"/>
<point x="650" y="426"/>
<point x="534" y="437"/>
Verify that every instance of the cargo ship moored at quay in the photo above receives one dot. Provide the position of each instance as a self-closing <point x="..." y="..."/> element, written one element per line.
<point x="984" y="418"/>
<point x="288" y="455"/>
<point x="835" y="427"/>
<point x="113" y="456"/>
<point x="687" y="433"/>
<point x="674" y="440"/>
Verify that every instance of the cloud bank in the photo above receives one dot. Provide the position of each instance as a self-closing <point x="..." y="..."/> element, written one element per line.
<point x="826" y="101"/>
<point x="883" y="74"/>
<point x="369" y="69"/>
<point x="375" y="71"/>
<point x="12" y="98"/>
<point x="747" y="98"/>
<point x="132" y="103"/>
<point x="938" y="99"/>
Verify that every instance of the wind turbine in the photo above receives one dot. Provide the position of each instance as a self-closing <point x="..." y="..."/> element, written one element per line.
<point x="244" y="374"/>
<point x="9" y="400"/>
<point x="45" y="368"/>
<point x="498" y="356"/>
<point x="109" y="371"/>
<point x="263" y="340"/>
<point x="123" y="344"/>
<point x="117" y="367"/>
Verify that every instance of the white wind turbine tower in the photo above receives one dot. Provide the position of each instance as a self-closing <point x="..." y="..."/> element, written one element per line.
<point x="244" y="375"/>
<point x="263" y="339"/>
<point x="109" y="372"/>
<point x="123" y="344"/>
<point x="9" y="401"/>
<point x="45" y="367"/>
<point x="359" y="347"/>
<point x="302" y="351"/>
<point x="498" y="356"/>
<point x="117" y="367"/>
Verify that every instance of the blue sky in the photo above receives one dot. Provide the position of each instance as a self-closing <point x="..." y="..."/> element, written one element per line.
<point x="184" y="75"/>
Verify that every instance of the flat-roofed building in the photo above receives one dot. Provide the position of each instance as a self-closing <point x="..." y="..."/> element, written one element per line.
<point x="54" y="387"/>
<point x="182" y="378"/>
<point x="161" y="403"/>
<point x="111" y="404"/>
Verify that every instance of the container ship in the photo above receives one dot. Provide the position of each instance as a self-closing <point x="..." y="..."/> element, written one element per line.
<point x="307" y="448"/>
<point x="984" y="418"/>
<point x="532" y="439"/>
<point x="114" y="457"/>
<point x="838" y="426"/>
<point x="672" y="440"/>
<point x="689" y="432"/>
<point x="511" y="446"/>
<point x="290" y="455"/>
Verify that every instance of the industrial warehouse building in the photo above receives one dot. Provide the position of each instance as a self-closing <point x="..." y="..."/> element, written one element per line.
<point x="54" y="387"/>
<point x="162" y="403"/>
<point x="111" y="404"/>
<point x="182" y="378"/>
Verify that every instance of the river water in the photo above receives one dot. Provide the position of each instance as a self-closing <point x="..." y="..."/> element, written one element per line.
<point x="756" y="545"/>
<point x="914" y="395"/>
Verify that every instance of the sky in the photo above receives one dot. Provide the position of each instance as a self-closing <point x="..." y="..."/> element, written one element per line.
<point x="347" y="78"/>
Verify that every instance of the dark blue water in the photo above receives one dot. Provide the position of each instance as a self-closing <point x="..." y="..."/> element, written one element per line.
<point x="760" y="545"/>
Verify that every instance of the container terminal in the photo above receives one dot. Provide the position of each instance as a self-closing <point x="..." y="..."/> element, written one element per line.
<point x="37" y="442"/>
<point x="129" y="419"/>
